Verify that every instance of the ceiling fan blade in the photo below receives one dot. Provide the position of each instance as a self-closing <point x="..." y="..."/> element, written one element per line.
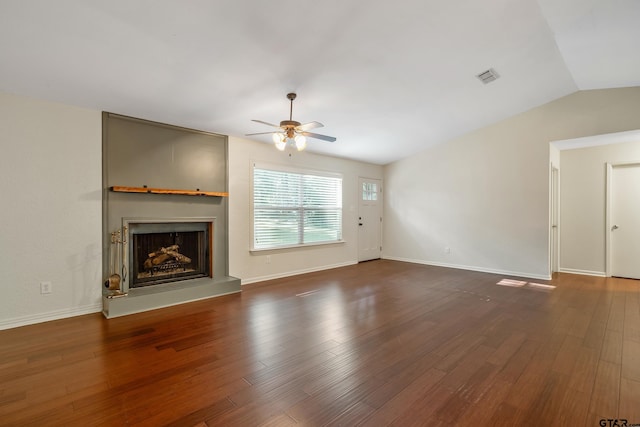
<point x="265" y="123"/>
<point x="308" y="126"/>
<point x="318" y="136"/>
<point x="260" y="133"/>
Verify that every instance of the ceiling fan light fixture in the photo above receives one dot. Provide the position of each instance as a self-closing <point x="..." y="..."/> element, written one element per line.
<point x="281" y="145"/>
<point x="301" y="142"/>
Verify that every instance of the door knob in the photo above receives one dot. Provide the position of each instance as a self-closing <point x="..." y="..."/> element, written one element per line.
<point x="615" y="227"/>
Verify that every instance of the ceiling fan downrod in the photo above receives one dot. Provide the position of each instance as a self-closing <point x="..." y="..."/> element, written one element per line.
<point x="290" y="124"/>
<point x="291" y="96"/>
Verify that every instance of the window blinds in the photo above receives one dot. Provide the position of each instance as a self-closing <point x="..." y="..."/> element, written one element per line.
<point x="295" y="208"/>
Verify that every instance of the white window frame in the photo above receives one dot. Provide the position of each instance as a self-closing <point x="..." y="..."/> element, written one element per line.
<point x="300" y="171"/>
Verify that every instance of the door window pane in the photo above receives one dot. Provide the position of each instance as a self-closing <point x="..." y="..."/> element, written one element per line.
<point x="369" y="191"/>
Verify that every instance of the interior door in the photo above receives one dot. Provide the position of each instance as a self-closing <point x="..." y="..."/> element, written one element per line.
<point x="369" y="219"/>
<point x="625" y="221"/>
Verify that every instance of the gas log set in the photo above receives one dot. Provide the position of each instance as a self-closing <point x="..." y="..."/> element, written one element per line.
<point x="168" y="252"/>
<point x="166" y="260"/>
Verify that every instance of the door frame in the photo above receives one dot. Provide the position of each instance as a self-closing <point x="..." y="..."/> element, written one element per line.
<point x="554" y="219"/>
<point x="608" y="211"/>
<point x="381" y="207"/>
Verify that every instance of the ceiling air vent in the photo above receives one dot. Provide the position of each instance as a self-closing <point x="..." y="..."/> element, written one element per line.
<point x="488" y="76"/>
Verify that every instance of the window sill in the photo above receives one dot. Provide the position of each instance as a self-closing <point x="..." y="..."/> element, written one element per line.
<point x="289" y="247"/>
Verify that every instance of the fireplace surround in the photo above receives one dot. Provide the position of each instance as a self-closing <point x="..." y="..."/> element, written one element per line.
<point x="168" y="250"/>
<point x="165" y="189"/>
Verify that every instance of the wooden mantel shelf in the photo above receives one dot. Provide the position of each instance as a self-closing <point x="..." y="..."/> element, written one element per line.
<point x="197" y="192"/>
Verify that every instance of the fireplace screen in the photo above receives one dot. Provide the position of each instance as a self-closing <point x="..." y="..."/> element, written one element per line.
<point x="168" y="252"/>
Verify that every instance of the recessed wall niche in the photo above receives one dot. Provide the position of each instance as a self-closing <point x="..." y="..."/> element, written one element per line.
<point x="143" y="154"/>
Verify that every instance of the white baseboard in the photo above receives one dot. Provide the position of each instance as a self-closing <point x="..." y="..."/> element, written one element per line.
<point x="295" y="272"/>
<point x="51" y="315"/>
<point x="473" y="268"/>
<point x="583" y="272"/>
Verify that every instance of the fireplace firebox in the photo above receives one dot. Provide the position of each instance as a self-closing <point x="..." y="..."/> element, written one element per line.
<point x="163" y="252"/>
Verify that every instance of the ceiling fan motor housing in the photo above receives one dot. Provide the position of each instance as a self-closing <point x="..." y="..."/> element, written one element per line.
<point x="289" y="123"/>
<point x="289" y="127"/>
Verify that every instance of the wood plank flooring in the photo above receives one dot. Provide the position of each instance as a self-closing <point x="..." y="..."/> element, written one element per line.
<point x="374" y="344"/>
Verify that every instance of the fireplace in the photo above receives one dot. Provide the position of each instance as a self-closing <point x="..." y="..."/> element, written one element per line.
<point x="168" y="251"/>
<point x="159" y="180"/>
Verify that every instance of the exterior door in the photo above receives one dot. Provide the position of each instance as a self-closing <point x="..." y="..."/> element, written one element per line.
<point x="624" y="221"/>
<point x="369" y="219"/>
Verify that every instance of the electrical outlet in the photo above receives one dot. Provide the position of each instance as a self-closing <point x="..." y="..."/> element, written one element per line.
<point x="447" y="250"/>
<point x="45" y="287"/>
<point x="268" y="259"/>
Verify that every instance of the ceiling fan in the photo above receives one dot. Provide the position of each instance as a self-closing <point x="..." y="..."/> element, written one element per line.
<point x="291" y="131"/>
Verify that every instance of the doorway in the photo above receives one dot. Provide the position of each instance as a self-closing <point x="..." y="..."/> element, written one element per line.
<point x="623" y="220"/>
<point x="369" y="219"/>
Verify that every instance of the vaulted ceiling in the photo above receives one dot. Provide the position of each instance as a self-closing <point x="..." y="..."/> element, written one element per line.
<point x="386" y="78"/>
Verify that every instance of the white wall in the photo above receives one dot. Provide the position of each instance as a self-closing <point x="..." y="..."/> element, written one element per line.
<point x="252" y="267"/>
<point x="485" y="195"/>
<point x="583" y="204"/>
<point x="50" y="225"/>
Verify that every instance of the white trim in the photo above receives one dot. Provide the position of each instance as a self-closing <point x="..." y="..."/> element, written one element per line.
<point x="554" y="252"/>
<point x="52" y="315"/>
<point x="472" y="268"/>
<point x="296" y="272"/>
<point x="583" y="272"/>
<point x="596" y="140"/>
<point x="607" y="220"/>
<point x="304" y="245"/>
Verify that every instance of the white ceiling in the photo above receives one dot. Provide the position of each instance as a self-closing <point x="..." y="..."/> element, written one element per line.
<point x="387" y="78"/>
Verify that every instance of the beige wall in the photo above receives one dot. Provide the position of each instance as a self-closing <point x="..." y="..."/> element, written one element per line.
<point x="50" y="182"/>
<point x="256" y="266"/>
<point x="485" y="195"/>
<point x="51" y="179"/>
<point x="583" y="204"/>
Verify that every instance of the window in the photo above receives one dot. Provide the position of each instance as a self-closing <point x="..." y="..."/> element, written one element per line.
<point x="369" y="191"/>
<point x="295" y="208"/>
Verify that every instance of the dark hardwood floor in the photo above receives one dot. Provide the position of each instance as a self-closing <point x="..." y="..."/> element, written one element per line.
<point x="375" y="344"/>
